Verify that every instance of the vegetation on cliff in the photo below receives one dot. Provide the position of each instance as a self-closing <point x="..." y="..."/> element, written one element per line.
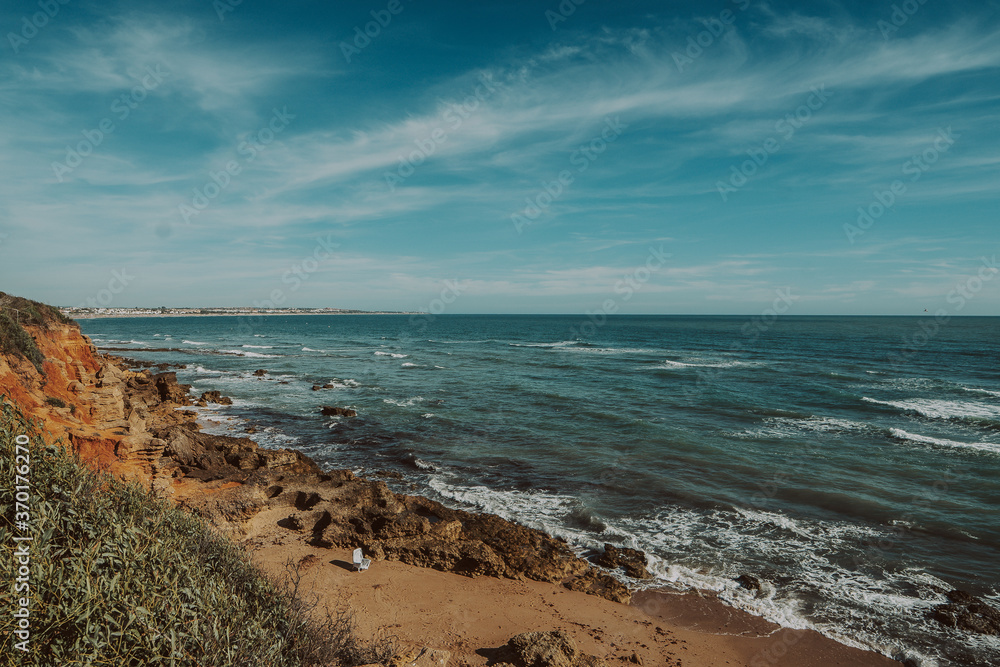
<point x="15" y="312"/>
<point x="119" y="577"/>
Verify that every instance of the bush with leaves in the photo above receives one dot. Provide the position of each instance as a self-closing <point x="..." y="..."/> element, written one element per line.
<point x="120" y="578"/>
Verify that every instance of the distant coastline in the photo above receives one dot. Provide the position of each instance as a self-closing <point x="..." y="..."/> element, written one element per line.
<point x="96" y="313"/>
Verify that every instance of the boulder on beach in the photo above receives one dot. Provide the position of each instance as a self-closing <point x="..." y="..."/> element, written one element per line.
<point x="545" y="649"/>
<point x="331" y="411"/>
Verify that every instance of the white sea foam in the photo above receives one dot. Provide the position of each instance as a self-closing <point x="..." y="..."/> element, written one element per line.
<point x="988" y="392"/>
<point x="942" y="409"/>
<point x="309" y="349"/>
<point x="202" y="369"/>
<point x="260" y="347"/>
<point x="394" y="355"/>
<point x="193" y="342"/>
<point x="343" y="384"/>
<point x="244" y="353"/>
<point x="943" y="442"/>
<point x="696" y="363"/>
<point x="407" y="364"/>
<point x="404" y="404"/>
<point x="562" y="343"/>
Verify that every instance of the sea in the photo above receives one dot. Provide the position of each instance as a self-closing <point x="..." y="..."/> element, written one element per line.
<point x="852" y="464"/>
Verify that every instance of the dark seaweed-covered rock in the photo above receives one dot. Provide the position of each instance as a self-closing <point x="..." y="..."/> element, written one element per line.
<point x="965" y="611"/>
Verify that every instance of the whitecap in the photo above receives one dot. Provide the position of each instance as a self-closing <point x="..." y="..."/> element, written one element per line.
<point x="942" y="409"/>
<point x="944" y="442"/>
<point x="394" y="355"/>
<point x="244" y="353"/>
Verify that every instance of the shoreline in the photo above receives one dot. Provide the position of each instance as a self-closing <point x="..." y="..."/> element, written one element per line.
<point x="466" y="570"/>
<point x="124" y="316"/>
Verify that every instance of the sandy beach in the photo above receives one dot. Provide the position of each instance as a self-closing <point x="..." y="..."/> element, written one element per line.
<point x="471" y="616"/>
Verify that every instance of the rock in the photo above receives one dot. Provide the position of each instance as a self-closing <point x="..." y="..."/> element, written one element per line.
<point x="328" y="385"/>
<point x="170" y="390"/>
<point x="331" y="411"/>
<point x="749" y="582"/>
<point x="969" y="613"/>
<point x="545" y="649"/>
<point x="260" y="373"/>
<point x="216" y="397"/>
<point x="422" y="657"/>
<point x="603" y="585"/>
<point x="250" y="429"/>
<point x="635" y="659"/>
<point x="316" y="387"/>
<point x="631" y="560"/>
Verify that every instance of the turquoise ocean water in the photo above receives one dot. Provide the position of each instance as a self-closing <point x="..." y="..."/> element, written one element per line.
<point x="853" y="464"/>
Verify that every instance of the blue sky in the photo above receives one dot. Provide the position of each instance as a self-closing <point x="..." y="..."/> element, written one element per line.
<point x="542" y="160"/>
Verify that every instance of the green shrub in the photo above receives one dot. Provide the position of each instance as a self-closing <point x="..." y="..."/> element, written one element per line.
<point x="55" y="402"/>
<point x="120" y="578"/>
<point x="14" y="340"/>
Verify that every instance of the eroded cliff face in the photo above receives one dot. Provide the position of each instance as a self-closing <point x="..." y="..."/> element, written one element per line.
<point x="133" y="424"/>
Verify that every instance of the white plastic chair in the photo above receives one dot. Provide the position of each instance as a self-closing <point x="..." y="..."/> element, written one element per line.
<point x="360" y="562"/>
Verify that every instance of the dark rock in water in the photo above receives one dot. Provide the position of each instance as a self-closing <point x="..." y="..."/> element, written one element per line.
<point x="632" y="560"/>
<point x="544" y="649"/>
<point x="250" y="429"/>
<point x="961" y="597"/>
<point x="283" y="382"/>
<point x="259" y="373"/>
<point x="331" y="411"/>
<point x="749" y="582"/>
<point x="969" y="613"/>
<point x="216" y="397"/>
<point x="316" y="387"/>
<point x="328" y="385"/>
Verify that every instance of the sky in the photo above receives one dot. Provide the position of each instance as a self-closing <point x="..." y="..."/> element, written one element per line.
<point x="503" y="157"/>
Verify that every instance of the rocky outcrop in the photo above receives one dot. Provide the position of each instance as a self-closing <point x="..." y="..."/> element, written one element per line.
<point x="216" y="397"/>
<point x="965" y="611"/>
<point x="331" y="411"/>
<point x="632" y="561"/>
<point x="544" y="649"/>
